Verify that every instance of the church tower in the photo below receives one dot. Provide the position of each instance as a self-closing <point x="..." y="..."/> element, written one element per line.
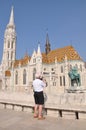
<point x="47" y="45"/>
<point x="9" y="49"/>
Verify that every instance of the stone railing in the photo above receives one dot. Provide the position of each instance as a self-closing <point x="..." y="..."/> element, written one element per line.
<point x="59" y="112"/>
<point x="69" y="106"/>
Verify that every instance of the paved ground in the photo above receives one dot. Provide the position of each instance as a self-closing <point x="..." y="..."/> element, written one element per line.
<point x="14" y="120"/>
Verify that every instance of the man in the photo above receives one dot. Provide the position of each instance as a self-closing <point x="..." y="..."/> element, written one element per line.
<point x="38" y="86"/>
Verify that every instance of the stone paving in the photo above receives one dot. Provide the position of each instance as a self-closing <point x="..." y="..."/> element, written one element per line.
<point x="18" y="120"/>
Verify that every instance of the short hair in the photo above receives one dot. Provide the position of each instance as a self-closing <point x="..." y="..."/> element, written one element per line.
<point x="37" y="75"/>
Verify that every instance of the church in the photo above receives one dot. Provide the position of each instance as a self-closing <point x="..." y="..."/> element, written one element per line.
<point x="54" y="65"/>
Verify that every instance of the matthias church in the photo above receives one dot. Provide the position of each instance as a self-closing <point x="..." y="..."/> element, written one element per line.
<point x="54" y="65"/>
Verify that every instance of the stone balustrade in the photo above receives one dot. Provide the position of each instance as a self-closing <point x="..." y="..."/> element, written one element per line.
<point x="68" y="106"/>
<point x="59" y="112"/>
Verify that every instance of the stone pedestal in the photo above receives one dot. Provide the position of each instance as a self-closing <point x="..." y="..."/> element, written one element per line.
<point x="75" y="89"/>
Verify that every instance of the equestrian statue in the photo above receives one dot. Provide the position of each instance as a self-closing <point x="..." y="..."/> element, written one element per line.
<point x="74" y="77"/>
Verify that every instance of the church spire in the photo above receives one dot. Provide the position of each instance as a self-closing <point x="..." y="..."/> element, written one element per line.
<point x="11" y="20"/>
<point x="39" y="50"/>
<point x="47" y="45"/>
<point x="47" y="39"/>
<point x="9" y="49"/>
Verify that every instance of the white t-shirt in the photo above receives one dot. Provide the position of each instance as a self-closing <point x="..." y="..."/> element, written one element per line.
<point x="38" y="85"/>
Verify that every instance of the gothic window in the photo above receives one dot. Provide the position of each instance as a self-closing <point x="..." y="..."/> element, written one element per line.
<point x="64" y="80"/>
<point x="76" y="66"/>
<point x="44" y="69"/>
<point x="11" y="55"/>
<point x="54" y="83"/>
<point x="85" y="65"/>
<point x="38" y="59"/>
<point x="24" y="76"/>
<point x="60" y="81"/>
<point x="70" y="67"/>
<point x="7" y="55"/>
<point x="52" y="69"/>
<point x="81" y="68"/>
<point x="61" y="69"/>
<point x="8" y="44"/>
<point x="34" y="60"/>
<point x="12" y="45"/>
<point x="16" y="77"/>
<point x="11" y="64"/>
<point x="34" y="72"/>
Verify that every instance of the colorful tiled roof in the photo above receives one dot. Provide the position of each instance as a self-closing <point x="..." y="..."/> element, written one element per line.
<point x="60" y="53"/>
<point x="44" y="58"/>
<point x="22" y="62"/>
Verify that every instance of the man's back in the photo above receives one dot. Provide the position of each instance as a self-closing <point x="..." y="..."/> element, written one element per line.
<point x="38" y="85"/>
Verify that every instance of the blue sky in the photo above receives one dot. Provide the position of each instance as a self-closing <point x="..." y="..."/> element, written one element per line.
<point x="63" y="20"/>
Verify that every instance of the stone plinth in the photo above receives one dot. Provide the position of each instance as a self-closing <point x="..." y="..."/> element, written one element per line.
<point x="75" y="89"/>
